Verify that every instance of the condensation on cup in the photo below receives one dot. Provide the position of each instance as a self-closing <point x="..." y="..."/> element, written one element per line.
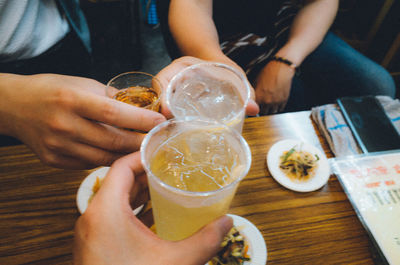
<point x="193" y="168"/>
<point x="211" y="91"/>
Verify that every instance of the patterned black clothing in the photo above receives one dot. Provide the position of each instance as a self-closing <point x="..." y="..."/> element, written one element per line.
<point x="250" y="34"/>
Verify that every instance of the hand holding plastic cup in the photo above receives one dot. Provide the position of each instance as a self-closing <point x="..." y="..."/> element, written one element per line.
<point x="136" y="88"/>
<point x="209" y="91"/>
<point x="193" y="169"/>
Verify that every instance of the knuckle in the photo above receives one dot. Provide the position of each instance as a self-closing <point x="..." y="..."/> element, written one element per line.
<point x="141" y="119"/>
<point x="51" y="144"/>
<point x="110" y="111"/>
<point x="64" y="97"/>
<point x="50" y="159"/>
<point x="105" y="159"/>
<point x="136" y="142"/>
<point x="128" y="143"/>
<point x="117" y="142"/>
<point x="58" y="126"/>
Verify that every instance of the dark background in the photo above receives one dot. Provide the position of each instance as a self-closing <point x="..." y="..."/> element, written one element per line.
<point x="123" y="39"/>
<point x="373" y="28"/>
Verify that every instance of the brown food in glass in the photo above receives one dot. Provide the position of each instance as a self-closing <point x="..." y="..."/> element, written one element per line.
<point x="139" y="96"/>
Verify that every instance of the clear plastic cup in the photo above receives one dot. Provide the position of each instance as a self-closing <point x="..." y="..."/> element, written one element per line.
<point x="136" y="88"/>
<point x="209" y="91"/>
<point x="182" y="160"/>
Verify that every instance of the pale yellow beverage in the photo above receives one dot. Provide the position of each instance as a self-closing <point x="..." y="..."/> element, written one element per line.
<point x="175" y="222"/>
<point x="193" y="174"/>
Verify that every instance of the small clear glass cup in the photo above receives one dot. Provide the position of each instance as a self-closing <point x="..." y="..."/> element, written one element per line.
<point x="136" y="88"/>
<point x="190" y="146"/>
<point x="209" y="91"/>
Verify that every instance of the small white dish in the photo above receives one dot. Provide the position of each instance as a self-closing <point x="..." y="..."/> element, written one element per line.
<point x="257" y="247"/>
<point x="315" y="182"/>
<point x="85" y="190"/>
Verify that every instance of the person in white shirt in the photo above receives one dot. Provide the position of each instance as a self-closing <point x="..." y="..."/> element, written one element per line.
<point x="69" y="123"/>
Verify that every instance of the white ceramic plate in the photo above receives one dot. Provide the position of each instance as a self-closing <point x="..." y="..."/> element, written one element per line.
<point x="257" y="247"/>
<point x="322" y="172"/>
<point x="85" y="189"/>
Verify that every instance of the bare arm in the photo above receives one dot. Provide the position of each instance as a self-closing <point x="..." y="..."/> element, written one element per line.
<point x="307" y="32"/>
<point x="194" y="31"/>
<point x="68" y="122"/>
<point x="309" y="28"/>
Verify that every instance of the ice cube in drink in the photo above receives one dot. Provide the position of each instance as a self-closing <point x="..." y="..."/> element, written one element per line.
<point x="196" y="161"/>
<point x="209" y="91"/>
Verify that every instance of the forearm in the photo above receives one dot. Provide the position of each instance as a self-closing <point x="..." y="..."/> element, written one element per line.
<point x="194" y="31"/>
<point x="308" y="29"/>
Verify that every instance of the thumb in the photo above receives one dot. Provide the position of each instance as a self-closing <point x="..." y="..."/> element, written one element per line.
<point x="164" y="107"/>
<point x="204" y="245"/>
<point x="252" y="108"/>
<point x="119" y="181"/>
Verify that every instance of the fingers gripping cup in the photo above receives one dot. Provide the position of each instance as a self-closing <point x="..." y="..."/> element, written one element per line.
<point x="136" y="88"/>
<point x="193" y="169"/>
<point x="211" y="91"/>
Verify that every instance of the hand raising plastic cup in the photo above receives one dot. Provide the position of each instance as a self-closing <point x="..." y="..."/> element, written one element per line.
<point x="209" y="91"/>
<point x="193" y="170"/>
<point x="136" y="88"/>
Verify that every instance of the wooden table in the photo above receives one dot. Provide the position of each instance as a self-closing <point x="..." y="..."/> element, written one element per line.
<point x="38" y="210"/>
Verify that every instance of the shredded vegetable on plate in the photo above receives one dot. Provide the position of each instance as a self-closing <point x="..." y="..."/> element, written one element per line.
<point x="298" y="164"/>
<point x="96" y="187"/>
<point x="234" y="250"/>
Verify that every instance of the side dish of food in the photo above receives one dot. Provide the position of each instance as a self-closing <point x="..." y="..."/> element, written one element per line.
<point x="234" y="249"/>
<point x="298" y="165"/>
<point x="243" y="245"/>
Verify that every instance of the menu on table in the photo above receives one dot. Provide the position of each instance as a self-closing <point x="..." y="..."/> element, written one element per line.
<point x="372" y="183"/>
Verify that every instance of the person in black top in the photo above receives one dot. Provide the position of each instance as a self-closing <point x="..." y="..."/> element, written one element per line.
<point x="284" y="47"/>
<point x="47" y="99"/>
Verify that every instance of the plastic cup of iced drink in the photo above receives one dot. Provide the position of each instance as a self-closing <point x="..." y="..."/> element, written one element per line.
<point x="136" y="88"/>
<point x="193" y="169"/>
<point x="209" y="91"/>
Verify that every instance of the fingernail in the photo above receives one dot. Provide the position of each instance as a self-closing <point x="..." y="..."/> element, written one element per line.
<point x="159" y="120"/>
<point x="252" y="108"/>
